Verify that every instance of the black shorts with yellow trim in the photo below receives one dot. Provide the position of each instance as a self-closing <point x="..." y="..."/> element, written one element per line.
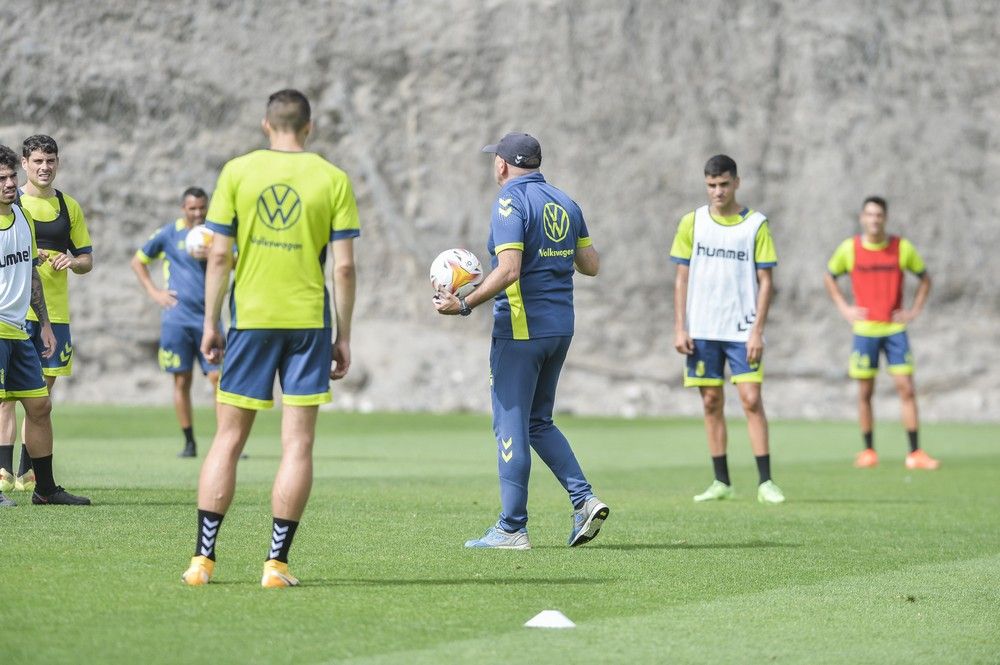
<point x="20" y="370"/>
<point x="299" y="358"/>
<point x="61" y="362"/>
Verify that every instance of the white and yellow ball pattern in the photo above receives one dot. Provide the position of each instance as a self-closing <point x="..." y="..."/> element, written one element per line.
<point x="457" y="271"/>
<point x="198" y="237"/>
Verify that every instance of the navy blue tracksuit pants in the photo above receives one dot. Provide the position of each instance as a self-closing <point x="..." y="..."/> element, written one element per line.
<point x="524" y="375"/>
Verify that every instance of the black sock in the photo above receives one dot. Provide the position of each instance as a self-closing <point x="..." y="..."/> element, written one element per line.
<point x="913" y="440"/>
<point x="7" y="457"/>
<point x="25" y="464"/>
<point x="44" y="484"/>
<point x="869" y="439"/>
<point x="188" y="436"/>
<point x="282" y="532"/>
<point x="721" y="469"/>
<point x="208" y="530"/>
<point x="764" y="467"/>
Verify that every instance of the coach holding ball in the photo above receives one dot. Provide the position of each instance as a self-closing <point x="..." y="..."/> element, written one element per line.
<point x="537" y="238"/>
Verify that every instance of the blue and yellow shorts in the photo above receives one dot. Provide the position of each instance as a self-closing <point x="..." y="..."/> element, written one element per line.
<point x="300" y="358"/>
<point x="704" y="366"/>
<point x="179" y="346"/>
<point x="20" y="370"/>
<point x="866" y="351"/>
<point x="61" y="362"/>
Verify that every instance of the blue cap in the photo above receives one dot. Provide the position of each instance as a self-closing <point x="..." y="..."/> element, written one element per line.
<point x="518" y="149"/>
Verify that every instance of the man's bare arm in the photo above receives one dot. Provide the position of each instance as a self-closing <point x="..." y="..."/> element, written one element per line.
<point x="38" y="297"/>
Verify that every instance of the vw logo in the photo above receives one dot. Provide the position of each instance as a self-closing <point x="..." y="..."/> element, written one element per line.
<point x="279" y="207"/>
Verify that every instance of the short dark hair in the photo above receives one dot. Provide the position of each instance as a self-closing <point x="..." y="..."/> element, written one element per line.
<point x="288" y="110"/>
<point x="8" y="158"/>
<point x="196" y="192"/>
<point x="877" y="200"/>
<point x="46" y="144"/>
<point x="719" y="165"/>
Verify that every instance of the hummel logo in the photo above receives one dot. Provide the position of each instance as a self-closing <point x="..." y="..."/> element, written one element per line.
<point x="747" y="321"/>
<point x="66" y="353"/>
<point x="507" y="454"/>
<point x="518" y="159"/>
<point x="208" y="530"/>
<point x="505" y="207"/>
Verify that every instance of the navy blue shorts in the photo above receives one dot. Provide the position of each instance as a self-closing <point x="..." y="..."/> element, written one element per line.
<point x="704" y="367"/>
<point x="866" y="352"/>
<point x="179" y="346"/>
<point x="301" y="360"/>
<point x="20" y="370"/>
<point x="61" y="362"/>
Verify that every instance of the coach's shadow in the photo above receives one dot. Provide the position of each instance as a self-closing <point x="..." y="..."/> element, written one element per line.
<point x="752" y="544"/>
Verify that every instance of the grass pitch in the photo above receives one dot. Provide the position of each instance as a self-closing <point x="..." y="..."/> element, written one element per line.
<point x="873" y="566"/>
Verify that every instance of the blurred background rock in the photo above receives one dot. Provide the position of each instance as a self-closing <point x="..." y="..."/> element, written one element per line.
<point x="820" y="103"/>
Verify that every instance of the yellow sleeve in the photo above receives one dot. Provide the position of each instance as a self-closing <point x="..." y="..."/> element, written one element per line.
<point x="79" y="235"/>
<point x="842" y="260"/>
<point x="31" y="225"/>
<point x="764" y="254"/>
<point x="222" y="210"/>
<point x="345" y="222"/>
<point x="683" y="245"/>
<point x="910" y="259"/>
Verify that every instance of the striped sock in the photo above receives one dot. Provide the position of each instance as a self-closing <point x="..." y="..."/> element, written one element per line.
<point x="282" y="533"/>
<point x="208" y="530"/>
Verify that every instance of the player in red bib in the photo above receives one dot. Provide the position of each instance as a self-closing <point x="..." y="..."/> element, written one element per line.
<point x="876" y="263"/>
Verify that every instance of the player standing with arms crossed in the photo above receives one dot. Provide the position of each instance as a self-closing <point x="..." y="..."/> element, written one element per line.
<point x="876" y="262"/>
<point x="722" y="293"/>
<point x="537" y="237"/>
<point x="20" y="369"/>
<point x="182" y="300"/>
<point x="64" y="245"/>
<point x="286" y="208"/>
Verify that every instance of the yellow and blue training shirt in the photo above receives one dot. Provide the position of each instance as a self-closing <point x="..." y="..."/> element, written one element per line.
<point x="182" y="273"/>
<point x="548" y="227"/>
<point x="682" y="248"/>
<point x="59" y="227"/>
<point x="283" y="209"/>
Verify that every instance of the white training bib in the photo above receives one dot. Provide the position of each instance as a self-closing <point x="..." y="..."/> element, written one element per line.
<point x="722" y="278"/>
<point x="15" y="270"/>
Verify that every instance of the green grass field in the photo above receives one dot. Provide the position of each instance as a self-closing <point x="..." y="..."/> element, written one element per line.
<point x="875" y="566"/>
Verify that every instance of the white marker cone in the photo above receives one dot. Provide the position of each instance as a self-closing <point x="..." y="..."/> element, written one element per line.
<point x="549" y="619"/>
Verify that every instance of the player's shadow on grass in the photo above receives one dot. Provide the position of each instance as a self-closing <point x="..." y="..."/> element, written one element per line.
<point x="753" y="544"/>
<point x="326" y="458"/>
<point x="866" y="501"/>
<point x="451" y="581"/>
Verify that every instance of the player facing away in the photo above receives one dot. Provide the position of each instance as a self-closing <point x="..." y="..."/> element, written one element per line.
<point x="182" y="300"/>
<point x="64" y="246"/>
<point x="876" y="263"/>
<point x="286" y="209"/>
<point x="20" y="369"/>
<point x="537" y="237"/>
<point x="722" y="292"/>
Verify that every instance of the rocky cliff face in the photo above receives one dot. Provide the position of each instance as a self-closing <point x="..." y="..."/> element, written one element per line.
<point x="819" y="106"/>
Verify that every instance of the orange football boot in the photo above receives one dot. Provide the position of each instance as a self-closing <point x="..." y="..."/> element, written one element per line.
<point x="866" y="459"/>
<point x="918" y="459"/>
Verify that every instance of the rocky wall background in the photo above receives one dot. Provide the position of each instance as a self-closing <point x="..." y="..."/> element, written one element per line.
<point x="820" y="104"/>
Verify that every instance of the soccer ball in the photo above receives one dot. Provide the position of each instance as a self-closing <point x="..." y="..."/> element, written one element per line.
<point x="457" y="271"/>
<point x="198" y="237"/>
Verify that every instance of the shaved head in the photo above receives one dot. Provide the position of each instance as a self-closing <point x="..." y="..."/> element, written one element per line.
<point x="288" y="111"/>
